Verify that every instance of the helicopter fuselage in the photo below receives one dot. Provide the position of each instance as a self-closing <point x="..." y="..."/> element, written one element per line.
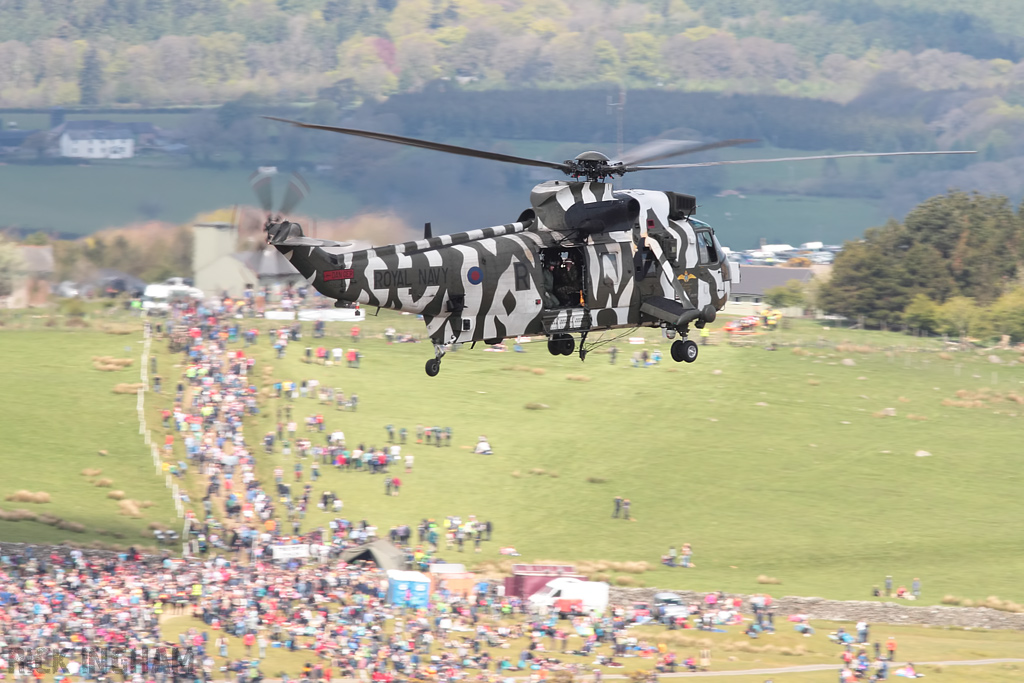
<point x="550" y="273"/>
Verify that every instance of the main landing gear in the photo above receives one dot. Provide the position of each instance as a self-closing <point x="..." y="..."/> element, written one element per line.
<point x="434" y="364"/>
<point x="561" y="345"/>
<point x="684" y="350"/>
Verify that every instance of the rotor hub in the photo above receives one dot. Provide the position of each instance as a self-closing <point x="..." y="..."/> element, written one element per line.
<point x="594" y="166"/>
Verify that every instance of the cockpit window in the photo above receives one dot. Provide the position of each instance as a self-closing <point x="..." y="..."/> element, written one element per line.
<point x="707" y="248"/>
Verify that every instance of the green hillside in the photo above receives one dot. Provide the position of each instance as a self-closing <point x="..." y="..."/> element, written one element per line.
<point x="774" y="463"/>
<point x="770" y="463"/>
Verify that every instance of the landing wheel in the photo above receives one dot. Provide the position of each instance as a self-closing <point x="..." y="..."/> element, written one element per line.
<point x="433" y="367"/>
<point x="567" y="345"/>
<point x="684" y="350"/>
<point x="554" y="346"/>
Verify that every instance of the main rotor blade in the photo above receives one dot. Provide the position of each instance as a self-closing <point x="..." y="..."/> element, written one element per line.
<point x="663" y="149"/>
<point x="297" y="190"/>
<point x="426" y="144"/>
<point x="262" y="185"/>
<point x="767" y="161"/>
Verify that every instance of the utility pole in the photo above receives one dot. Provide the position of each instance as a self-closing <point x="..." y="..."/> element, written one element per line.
<point x="619" y="110"/>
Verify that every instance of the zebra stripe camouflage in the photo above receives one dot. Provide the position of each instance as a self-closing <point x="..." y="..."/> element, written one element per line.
<point x="490" y="284"/>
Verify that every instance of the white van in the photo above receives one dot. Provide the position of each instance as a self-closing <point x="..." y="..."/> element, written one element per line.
<point x="572" y="596"/>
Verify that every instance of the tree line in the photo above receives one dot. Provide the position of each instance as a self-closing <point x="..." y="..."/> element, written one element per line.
<point x="158" y="52"/>
<point x="954" y="265"/>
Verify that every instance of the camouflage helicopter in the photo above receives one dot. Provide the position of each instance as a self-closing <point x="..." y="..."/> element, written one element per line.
<point x="584" y="258"/>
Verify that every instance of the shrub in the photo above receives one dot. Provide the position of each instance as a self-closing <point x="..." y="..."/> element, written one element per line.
<point x="116" y="495"/>
<point x="577" y="378"/>
<point x="596" y="480"/>
<point x="763" y="578"/>
<point x="90" y="472"/>
<point x="625" y="581"/>
<point x="104" y="483"/>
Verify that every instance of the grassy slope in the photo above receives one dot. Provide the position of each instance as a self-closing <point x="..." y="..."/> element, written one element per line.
<point x="58" y="413"/>
<point x="785" y="489"/>
<point x="731" y="651"/>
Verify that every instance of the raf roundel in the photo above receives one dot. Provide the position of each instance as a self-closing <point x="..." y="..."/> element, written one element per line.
<point x="475" y="275"/>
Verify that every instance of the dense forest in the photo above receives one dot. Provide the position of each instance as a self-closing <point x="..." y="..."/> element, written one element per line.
<point x="207" y="51"/>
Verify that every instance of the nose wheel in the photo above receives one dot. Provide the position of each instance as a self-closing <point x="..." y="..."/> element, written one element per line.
<point x="433" y="365"/>
<point x="684" y="350"/>
<point x="561" y="345"/>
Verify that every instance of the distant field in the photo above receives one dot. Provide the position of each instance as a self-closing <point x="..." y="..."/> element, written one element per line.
<point x="743" y="223"/>
<point x="811" y="488"/>
<point x="83" y="199"/>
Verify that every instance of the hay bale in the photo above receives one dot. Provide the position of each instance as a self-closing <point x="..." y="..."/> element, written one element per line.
<point x="146" y="504"/>
<point x="516" y="474"/>
<point x="89" y="472"/>
<point x="116" y="495"/>
<point x="625" y="581"/>
<point x="848" y="361"/>
<point x="129" y="508"/>
<point x="25" y="496"/>
<point x="950" y="600"/>
<point x="23" y="515"/>
<point x="769" y="580"/>
<point x="73" y="527"/>
<point x="104" y="483"/>
<point x="49" y="520"/>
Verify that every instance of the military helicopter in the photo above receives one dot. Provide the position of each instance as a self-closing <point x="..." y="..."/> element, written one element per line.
<point x="583" y="258"/>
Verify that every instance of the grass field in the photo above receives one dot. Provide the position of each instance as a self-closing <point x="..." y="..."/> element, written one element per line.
<point x="58" y="414"/>
<point x="769" y="463"/>
<point x="735" y="652"/>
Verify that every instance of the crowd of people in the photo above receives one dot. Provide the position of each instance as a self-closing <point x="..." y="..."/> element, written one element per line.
<point x="156" y="619"/>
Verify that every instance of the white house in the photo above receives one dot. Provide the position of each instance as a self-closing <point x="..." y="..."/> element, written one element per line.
<point x="114" y="143"/>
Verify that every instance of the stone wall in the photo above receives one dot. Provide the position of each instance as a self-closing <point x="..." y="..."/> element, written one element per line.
<point x="855" y="610"/>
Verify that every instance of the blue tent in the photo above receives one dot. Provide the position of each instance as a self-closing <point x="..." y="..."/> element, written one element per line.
<point x="408" y="589"/>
